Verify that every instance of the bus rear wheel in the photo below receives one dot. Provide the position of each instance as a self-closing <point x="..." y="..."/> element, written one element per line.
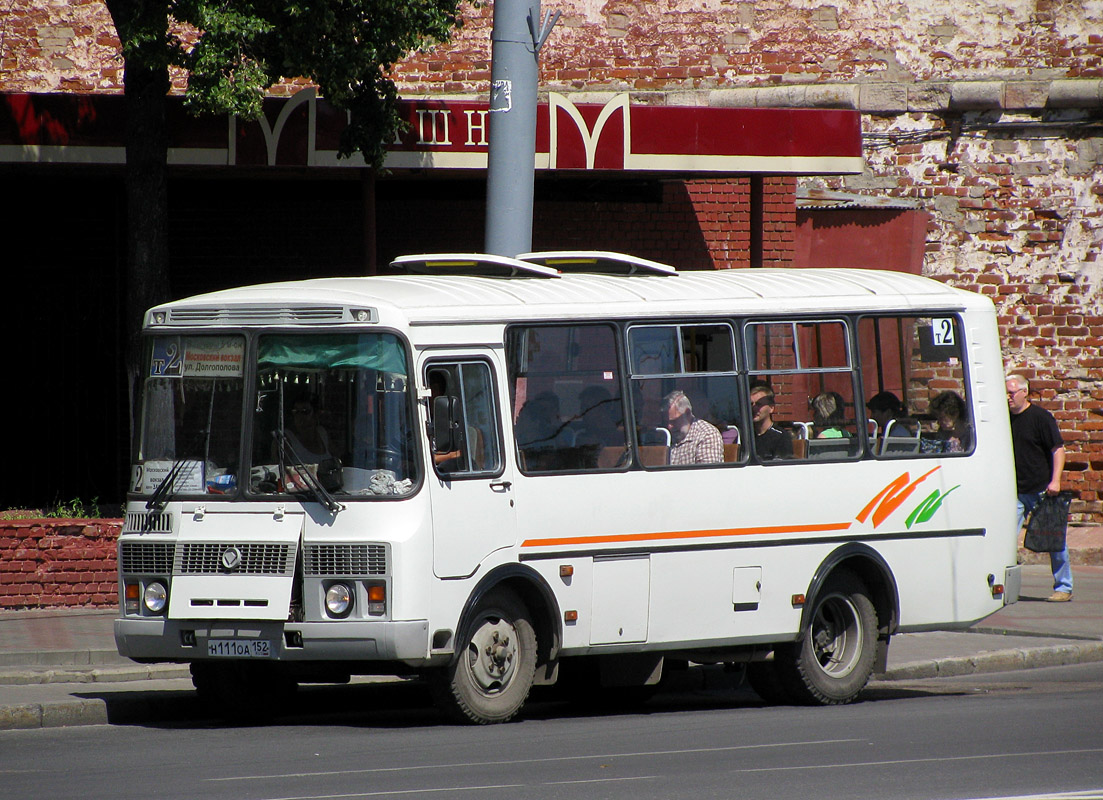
<point x="489" y="679"/>
<point x="833" y="659"/>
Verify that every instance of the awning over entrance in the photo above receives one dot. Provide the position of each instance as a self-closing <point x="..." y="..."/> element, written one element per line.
<point x="447" y="134"/>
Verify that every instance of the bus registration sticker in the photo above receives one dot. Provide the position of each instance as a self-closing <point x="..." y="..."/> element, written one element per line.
<point x="239" y="648"/>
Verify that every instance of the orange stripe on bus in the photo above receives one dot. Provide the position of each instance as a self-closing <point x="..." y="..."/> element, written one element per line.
<point x="651" y="537"/>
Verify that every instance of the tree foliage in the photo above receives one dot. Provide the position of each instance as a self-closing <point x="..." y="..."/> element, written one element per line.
<point x="233" y="50"/>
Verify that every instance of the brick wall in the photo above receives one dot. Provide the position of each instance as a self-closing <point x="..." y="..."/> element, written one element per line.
<point x="58" y="563"/>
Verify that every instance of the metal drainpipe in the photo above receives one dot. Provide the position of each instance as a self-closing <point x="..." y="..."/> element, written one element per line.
<point x="515" y="52"/>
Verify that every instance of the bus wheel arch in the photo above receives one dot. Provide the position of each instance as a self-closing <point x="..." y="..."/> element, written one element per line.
<point x="871" y="568"/>
<point x="507" y="641"/>
<point x="848" y="616"/>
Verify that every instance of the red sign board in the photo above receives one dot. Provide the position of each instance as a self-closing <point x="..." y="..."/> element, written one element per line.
<point x="304" y="130"/>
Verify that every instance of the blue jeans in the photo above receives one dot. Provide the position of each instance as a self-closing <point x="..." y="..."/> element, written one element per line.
<point x="1058" y="562"/>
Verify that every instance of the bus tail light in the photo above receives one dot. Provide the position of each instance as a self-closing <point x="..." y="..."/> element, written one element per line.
<point x="997" y="588"/>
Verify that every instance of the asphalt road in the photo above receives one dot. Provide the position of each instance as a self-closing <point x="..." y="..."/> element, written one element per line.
<point x="986" y="736"/>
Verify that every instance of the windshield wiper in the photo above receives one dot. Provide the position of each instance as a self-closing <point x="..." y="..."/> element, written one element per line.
<point x="309" y="480"/>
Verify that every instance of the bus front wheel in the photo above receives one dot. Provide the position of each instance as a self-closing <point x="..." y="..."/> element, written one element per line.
<point x="833" y="659"/>
<point x="490" y="678"/>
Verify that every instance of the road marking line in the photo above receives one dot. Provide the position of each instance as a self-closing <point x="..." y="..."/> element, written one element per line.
<point x="942" y="759"/>
<point x="642" y="754"/>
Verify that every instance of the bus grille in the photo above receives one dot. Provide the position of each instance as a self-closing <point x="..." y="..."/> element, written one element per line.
<point x="254" y="315"/>
<point x="146" y="558"/>
<point x="205" y="558"/>
<point x="147" y="522"/>
<point x="352" y="560"/>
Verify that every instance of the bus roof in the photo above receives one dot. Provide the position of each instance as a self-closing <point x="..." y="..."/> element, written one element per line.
<point x="426" y="299"/>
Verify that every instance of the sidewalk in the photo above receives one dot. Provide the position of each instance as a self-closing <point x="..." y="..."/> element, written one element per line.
<point x="60" y="667"/>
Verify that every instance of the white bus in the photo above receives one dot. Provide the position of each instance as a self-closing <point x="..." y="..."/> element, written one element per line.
<point x="495" y="473"/>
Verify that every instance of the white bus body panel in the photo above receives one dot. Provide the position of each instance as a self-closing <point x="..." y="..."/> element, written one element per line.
<point x="678" y="558"/>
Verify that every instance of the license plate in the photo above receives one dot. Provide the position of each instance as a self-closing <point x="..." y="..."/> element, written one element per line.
<point x="239" y="648"/>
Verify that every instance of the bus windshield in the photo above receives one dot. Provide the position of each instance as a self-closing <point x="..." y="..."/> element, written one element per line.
<point x="332" y="408"/>
<point x="190" y="433"/>
<point x="330" y="414"/>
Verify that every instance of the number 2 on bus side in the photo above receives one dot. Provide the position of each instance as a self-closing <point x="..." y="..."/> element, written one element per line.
<point x="943" y="331"/>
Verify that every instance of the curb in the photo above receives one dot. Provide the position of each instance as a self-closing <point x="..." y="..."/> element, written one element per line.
<point x="63" y="714"/>
<point x="30" y="675"/>
<point x="1078" y="557"/>
<point x="998" y="661"/>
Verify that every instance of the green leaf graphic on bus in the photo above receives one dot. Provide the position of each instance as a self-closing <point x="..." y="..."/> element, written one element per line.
<point x="925" y="510"/>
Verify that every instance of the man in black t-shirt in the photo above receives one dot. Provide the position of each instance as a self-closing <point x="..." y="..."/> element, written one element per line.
<point x="769" y="442"/>
<point x="1039" y="461"/>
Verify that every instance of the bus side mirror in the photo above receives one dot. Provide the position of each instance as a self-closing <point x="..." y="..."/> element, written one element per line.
<point x="445" y="424"/>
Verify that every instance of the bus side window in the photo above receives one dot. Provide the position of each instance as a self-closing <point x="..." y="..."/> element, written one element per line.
<point x="568" y="412"/>
<point x="474" y="448"/>
<point x="696" y="363"/>
<point x="806" y="369"/>
<point x="914" y="382"/>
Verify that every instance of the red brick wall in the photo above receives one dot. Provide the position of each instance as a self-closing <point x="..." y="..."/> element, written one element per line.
<point x="47" y="563"/>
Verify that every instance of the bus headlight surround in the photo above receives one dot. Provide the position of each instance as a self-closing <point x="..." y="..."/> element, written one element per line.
<point x="155" y="597"/>
<point x="338" y="600"/>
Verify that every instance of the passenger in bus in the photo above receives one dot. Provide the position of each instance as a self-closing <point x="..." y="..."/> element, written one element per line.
<point x="954" y="431"/>
<point x="884" y="407"/>
<point x="600" y="419"/>
<point x="693" y="441"/>
<point x="541" y="433"/>
<point x="769" y="442"/>
<point x="308" y="438"/>
<point x="827" y="416"/>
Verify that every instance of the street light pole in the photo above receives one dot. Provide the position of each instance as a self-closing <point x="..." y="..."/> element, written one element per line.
<point x="515" y="51"/>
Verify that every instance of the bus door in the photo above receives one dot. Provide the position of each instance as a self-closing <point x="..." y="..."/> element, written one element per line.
<point x="470" y="484"/>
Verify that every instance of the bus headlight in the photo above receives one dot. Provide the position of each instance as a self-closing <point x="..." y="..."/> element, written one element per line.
<point x="155" y="597"/>
<point x="338" y="600"/>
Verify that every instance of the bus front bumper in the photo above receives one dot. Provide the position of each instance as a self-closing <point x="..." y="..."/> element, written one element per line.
<point x="157" y="639"/>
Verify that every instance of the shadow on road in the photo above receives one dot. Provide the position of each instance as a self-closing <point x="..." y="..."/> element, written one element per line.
<point x="408" y="704"/>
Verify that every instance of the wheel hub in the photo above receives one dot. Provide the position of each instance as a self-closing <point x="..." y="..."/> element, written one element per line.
<point x="492" y="654"/>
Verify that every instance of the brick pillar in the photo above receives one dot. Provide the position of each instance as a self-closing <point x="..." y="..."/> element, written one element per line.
<point x="722" y="207"/>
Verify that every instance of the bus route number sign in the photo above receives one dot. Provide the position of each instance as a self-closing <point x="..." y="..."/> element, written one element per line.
<point x="942" y="332"/>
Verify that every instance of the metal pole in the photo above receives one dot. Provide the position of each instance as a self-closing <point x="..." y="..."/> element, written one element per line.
<point x="515" y="49"/>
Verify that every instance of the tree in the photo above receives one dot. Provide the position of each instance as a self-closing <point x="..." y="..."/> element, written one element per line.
<point x="232" y="51"/>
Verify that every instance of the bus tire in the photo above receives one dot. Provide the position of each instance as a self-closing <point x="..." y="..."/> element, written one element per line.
<point x="490" y="678"/>
<point x="833" y="659"/>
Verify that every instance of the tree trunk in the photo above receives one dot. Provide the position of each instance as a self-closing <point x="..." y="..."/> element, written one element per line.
<point x="146" y="85"/>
